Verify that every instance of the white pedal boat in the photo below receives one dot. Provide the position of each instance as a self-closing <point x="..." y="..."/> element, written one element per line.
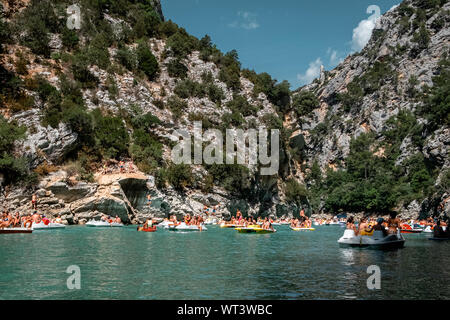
<point x="184" y="227"/>
<point x="99" y="224"/>
<point x="164" y="224"/>
<point x="376" y="241"/>
<point x="211" y="221"/>
<point x="42" y="226"/>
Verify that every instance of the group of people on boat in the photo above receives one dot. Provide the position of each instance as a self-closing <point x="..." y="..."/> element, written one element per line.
<point x="366" y="226"/>
<point x="109" y="219"/>
<point x="16" y="220"/>
<point x="302" y="222"/>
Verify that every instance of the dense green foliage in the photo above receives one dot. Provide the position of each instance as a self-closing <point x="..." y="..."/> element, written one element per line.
<point x="13" y="168"/>
<point x="146" y="60"/>
<point x="278" y="94"/>
<point x="146" y="150"/>
<point x="371" y="181"/>
<point x="296" y="192"/>
<point x="234" y="177"/>
<point x="177" y="69"/>
<point x="304" y="103"/>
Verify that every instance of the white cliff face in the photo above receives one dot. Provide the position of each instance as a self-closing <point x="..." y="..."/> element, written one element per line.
<point x="44" y="144"/>
<point x="371" y="114"/>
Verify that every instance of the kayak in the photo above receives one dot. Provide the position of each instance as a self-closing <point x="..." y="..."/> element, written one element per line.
<point x="42" y="226"/>
<point x="303" y="229"/>
<point x="15" y="230"/>
<point x="254" y="230"/>
<point x="376" y="241"/>
<point x="152" y="229"/>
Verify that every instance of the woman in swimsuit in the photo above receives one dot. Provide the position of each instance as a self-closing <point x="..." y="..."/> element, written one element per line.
<point x="393" y="223"/>
<point x="363" y="226"/>
<point x="351" y="225"/>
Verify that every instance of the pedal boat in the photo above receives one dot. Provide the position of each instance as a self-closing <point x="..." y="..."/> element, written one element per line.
<point x="184" y="227"/>
<point x="42" y="226"/>
<point x="103" y="224"/>
<point x="152" y="229"/>
<point x="302" y="229"/>
<point x="254" y="229"/>
<point x="406" y="228"/>
<point x="226" y="225"/>
<point x="15" y="230"/>
<point x="375" y="241"/>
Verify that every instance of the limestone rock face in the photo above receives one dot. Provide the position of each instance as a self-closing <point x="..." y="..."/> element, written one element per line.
<point x="108" y="205"/>
<point x="50" y="144"/>
<point x="412" y="69"/>
<point x="69" y="194"/>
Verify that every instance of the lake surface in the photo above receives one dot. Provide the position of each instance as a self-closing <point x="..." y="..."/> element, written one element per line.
<point x="120" y="263"/>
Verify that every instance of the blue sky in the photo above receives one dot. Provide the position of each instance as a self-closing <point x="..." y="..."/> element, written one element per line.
<point x="289" y="39"/>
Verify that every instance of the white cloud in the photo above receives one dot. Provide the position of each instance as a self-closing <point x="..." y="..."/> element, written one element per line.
<point x="335" y="57"/>
<point x="363" y="32"/>
<point x="312" y="73"/>
<point x="246" y="20"/>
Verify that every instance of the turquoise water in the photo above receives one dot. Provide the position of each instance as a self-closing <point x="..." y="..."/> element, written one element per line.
<point x="120" y="263"/>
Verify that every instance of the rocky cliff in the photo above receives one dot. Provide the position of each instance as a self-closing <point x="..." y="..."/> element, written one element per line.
<point x="383" y="86"/>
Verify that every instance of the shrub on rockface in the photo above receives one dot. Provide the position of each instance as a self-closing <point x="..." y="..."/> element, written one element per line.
<point x="180" y="176"/>
<point x="304" y="103"/>
<point x="13" y="168"/>
<point x="239" y="104"/>
<point x="177" y="69"/>
<point x="232" y="177"/>
<point x="146" y="60"/>
<point x="176" y="105"/>
<point x="296" y="192"/>
<point x="181" y="44"/>
<point x="111" y="135"/>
